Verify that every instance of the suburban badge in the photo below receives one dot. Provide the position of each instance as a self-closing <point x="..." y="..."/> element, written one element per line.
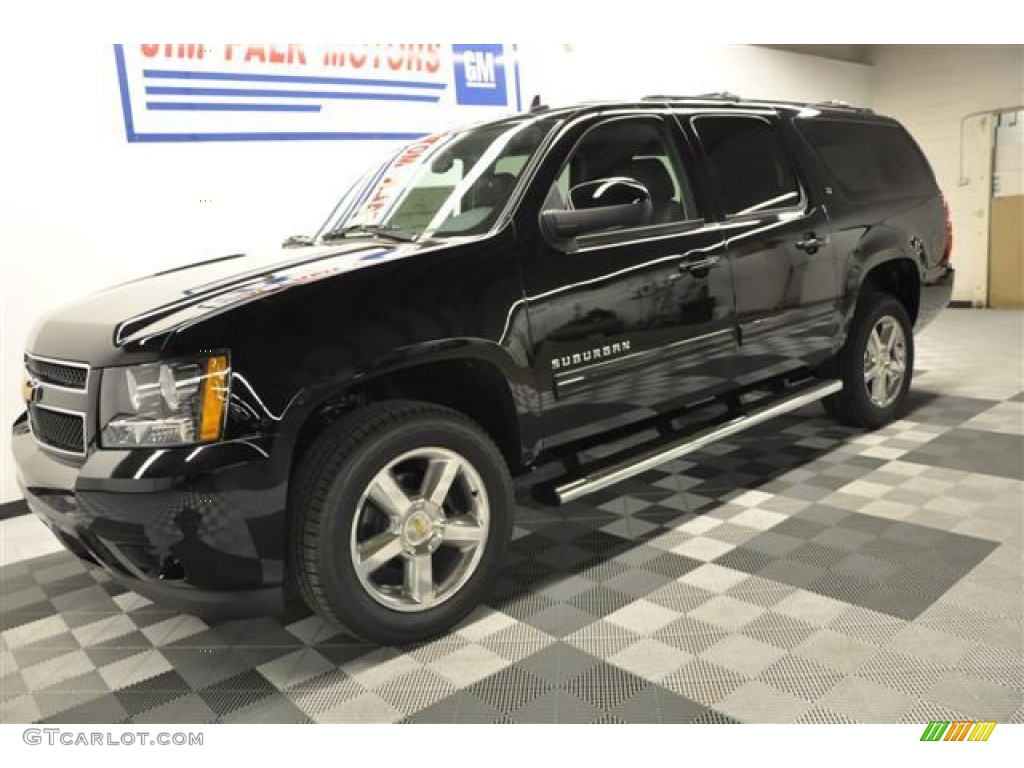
<point x="590" y="355"/>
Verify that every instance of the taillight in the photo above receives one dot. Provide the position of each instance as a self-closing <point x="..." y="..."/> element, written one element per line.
<point x="949" y="232"/>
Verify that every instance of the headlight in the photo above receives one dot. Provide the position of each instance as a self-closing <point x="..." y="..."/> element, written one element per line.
<point x="164" y="404"/>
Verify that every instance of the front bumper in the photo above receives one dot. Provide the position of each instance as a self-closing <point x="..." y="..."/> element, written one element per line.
<point x="200" y="529"/>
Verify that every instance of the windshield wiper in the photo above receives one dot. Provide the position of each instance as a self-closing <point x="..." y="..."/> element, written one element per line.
<point x="297" y="241"/>
<point x="379" y="230"/>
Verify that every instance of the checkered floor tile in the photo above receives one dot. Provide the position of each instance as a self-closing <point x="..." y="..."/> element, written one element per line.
<point x="803" y="572"/>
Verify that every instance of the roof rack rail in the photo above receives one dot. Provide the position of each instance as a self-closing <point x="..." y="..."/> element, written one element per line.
<point x="841" y="105"/>
<point x="722" y="95"/>
<point x="726" y="95"/>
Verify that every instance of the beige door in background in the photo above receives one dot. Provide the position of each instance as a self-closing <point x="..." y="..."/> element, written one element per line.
<point x="1006" y="218"/>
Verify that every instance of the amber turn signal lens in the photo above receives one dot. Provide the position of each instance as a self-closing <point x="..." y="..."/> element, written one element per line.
<point x="215" y="394"/>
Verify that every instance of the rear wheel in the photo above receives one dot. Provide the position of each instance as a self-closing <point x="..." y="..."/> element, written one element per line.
<point x="876" y="364"/>
<point x="403" y="513"/>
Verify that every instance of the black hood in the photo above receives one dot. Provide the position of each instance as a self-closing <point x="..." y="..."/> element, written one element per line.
<point x="138" y="313"/>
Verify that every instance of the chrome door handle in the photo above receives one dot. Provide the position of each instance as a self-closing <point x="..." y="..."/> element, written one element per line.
<point x="811" y="242"/>
<point x="692" y="266"/>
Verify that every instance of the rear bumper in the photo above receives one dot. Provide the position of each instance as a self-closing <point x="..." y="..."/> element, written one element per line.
<point x="200" y="530"/>
<point x="936" y="292"/>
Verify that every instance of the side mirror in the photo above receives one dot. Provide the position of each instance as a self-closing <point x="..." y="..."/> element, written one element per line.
<point x="597" y="205"/>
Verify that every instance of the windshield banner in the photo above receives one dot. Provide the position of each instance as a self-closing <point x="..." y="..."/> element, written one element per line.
<point x="254" y="92"/>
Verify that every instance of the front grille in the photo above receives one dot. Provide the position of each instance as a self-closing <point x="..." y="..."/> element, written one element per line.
<point x="60" y="374"/>
<point x="63" y="431"/>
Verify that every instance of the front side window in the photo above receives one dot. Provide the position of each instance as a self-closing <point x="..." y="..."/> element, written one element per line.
<point x="631" y="148"/>
<point x="748" y="164"/>
<point x="449" y="184"/>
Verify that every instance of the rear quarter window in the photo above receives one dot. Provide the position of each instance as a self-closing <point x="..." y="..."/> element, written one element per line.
<point x="870" y="161"/>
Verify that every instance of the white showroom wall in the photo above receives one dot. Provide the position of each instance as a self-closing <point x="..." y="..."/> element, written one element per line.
<point x="81" y="208"/>
<point x="598" y="71"/>
<point x="930" y="89"/>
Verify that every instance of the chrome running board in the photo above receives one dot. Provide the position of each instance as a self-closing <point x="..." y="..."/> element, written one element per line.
<point x="606" y="475"/>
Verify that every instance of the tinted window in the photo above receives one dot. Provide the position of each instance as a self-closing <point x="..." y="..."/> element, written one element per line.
<point x="748" y="163"/>
<point x="870" y="161"/>
<point x="636" y="148"/>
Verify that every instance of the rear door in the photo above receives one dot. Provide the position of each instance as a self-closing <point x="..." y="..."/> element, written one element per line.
<point x="778" y="243"/>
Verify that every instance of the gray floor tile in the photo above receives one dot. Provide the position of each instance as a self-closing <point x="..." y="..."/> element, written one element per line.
<point x="185" y="709"/>
<point x="835" y="650"/>
<point x="276" y="709"/>
<point x="757" y="702"/>
<point x="659" y="705"/>
<point x="461" y="707"/>
<point x="105" y="709"/>
<point x="561" y="619"/>
<point x="867" y="702"/>
<point x="975" y="451"/>
<point x="557" y="706"/>
<point x="984" y="700"/>
<point x="801" y="677"/>
<point x="558" y="663"/>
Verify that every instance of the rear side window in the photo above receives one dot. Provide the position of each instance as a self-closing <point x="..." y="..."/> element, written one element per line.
<point x="870" y="161"/>
<point x="748" y="163"/>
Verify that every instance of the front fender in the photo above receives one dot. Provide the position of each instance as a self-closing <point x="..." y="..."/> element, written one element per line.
<point x="404" y="360"/>
<point x="475" y="376"/>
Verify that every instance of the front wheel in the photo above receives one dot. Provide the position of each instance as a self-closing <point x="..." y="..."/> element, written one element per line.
<point x="402" y="515"/>
<point x="875" y="365"/>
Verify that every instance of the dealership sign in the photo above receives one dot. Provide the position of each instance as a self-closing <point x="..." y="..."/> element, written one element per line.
<point x="246" y="92"/>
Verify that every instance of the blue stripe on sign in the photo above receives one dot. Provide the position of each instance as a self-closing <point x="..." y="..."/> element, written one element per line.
<point x="199" y="106"/>
<point x="240" y="77"/>
<point x="519" y="91"/>
<point x="340" y="136"/>
<point x="161" y="90"/>
<point x="126" y="102"/>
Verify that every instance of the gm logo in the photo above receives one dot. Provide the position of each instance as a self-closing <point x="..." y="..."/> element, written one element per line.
<point x="480" y="75"/>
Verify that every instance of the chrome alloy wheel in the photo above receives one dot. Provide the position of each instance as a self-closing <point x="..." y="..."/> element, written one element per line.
<point x="420" y="530"/>
<point x="885" y="362"/>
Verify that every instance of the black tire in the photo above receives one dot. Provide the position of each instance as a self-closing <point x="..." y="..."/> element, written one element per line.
<point x="325" y="499"/>
<point x="853" y="406"/>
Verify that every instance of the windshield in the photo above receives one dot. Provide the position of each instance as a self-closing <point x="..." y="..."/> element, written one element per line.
<point x="449" y="184"/>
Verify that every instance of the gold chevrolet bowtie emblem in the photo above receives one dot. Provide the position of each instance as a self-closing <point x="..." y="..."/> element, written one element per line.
<point x="28" y="388"/>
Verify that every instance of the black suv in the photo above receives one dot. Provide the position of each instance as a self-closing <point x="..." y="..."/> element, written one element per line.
<point x="341" y="419"/>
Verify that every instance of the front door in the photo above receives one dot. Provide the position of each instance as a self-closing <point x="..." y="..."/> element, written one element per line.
<point x="629" y="322"/>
